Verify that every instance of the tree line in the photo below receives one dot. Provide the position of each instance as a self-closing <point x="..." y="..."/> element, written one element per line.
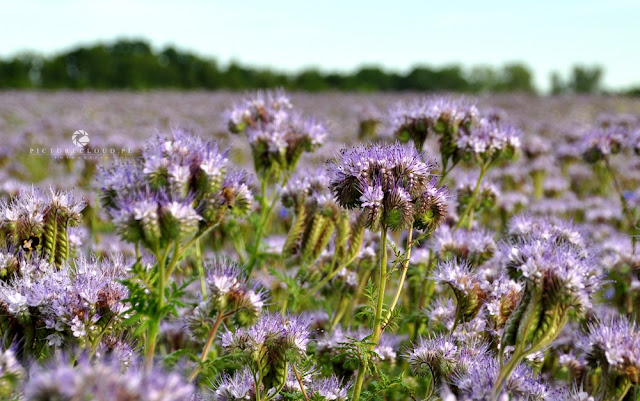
<point x="133" y="64"/>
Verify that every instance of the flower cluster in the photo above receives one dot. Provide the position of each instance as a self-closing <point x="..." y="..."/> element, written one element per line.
<point x="180" y="188"/>
<point x="229" y="293"/>
<point x="103" y="381"/>
<point x="269" y="345"/>
<point x="465" y="133"/>
<point x="419" y="119"/>
<point x="466" y="285"/>
<point x="488" y="141"/>
<point x="474" y="246"/>
<point x="599" y="143"/>
<point x="241" y="386"/>
<point x="390" y="184"/>
<point x="81" y="301"/>
<point x="559" y="278"/>
<point x="614" y="347"/>
<point x="36" y="222"/>
<point x="277" y="136"/>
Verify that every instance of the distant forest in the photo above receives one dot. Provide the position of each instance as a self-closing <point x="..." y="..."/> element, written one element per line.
<point x="134" y="64"/>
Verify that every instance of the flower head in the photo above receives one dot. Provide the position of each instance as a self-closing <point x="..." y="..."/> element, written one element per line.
<point x="385" y="182"/>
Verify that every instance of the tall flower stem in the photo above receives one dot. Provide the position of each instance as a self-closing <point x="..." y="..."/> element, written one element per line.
<point x="377" y="322"/>
<point x="299" y="379"/>
<point x="207" y="345"/>
<point x="623" y="201"/>
<point x="382" y="283"/>
<point x="403" y="274"/>
<point x="154" y="325"/>
<point x="472" y="201"/>
<point x="200" y="268"/>
<point x="265" y="215"/>
<point x="505" y="371"/>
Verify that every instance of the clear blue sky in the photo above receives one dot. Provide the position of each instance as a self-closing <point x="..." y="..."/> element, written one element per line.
<point x="342" y="35"/>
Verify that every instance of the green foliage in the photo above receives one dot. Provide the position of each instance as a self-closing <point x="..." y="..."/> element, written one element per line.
<point x="133" y="64"/>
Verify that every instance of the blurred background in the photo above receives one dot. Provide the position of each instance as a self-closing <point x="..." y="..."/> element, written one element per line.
<point x="543" y="47"/>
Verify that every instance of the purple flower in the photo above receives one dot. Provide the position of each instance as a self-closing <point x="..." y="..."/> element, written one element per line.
<point x="105" y="380"/>
<point x="488" y="141"/>
<point x="239" y="387"/>
<point x="477" y="381"/>
<point x="599" y="143"/>
<point x="417" y="120"/>
<point x="614" y="346"/>
<point x="277" y="137"/>
<point x="474" y="246"/>
<point x="385" y="182"/>
<point x="273" y="338"/>
<point x="229" y="287"/>
<point x="467" y="287"/>
<point x="330" y="388"/>
<point x="180" y="187"/>
<point x="77" y="301"/>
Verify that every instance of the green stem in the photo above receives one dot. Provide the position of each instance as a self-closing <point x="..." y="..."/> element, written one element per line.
<point x="467" y="210"/>
<point x="625" y="390"/>
<point x="265" y="215"/>
<point x="359" y="380"/>
<point x="623" y="201"/>
<point x="200" y="268"/>
<point x="403" y="275"/>
<point x="382" y="282"/>
<point x="505" y="372"/>
<point x="154" y="325"/>
<point x="377" y="322"/>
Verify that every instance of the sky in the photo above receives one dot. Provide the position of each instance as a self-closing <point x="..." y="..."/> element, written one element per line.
<point x="335" y="35"/>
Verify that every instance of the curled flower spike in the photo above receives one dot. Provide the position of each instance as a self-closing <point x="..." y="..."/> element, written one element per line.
<point x="467" y="287"/>
<point x="442" y="357"/>
<point x="269" y="345"/>
<point x="477" y="382"/>
<point x="432" y="207"/>
<point x="230" y="290"/>
<point x="558" y="279"/>
<point x="317" y="217"/>
<point x="37" y="223"/>
<point x="239" y="387"/>
<point x="73" y="303"/>
<point x="473" y="246"/>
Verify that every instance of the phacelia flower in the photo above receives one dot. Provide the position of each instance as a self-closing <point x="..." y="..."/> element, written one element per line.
<point x="180" y="187"/>
<point x="277" y="136"/>
<point x="614" y="346"/>
<point x="269" y="345"/>
<point x="417" y="120"/>
<point x="385" y="182"/>
<point x="467" y="287"/>
<point x="103" y="380"/>
<point x="600" y="143"/>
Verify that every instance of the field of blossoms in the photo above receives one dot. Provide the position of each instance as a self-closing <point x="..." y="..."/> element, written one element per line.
<point x="272" y="246"/>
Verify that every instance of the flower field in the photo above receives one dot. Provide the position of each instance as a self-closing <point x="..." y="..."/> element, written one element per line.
<point x="166" y="246"/>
